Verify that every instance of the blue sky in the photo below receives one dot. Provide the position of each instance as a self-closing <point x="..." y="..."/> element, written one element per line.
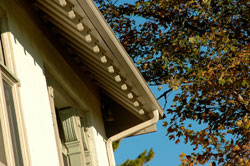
<point x="166" y="151"/>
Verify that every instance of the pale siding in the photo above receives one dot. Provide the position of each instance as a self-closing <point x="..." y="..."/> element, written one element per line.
<point x="26" y="40"/>
<point x="31" y="52"/>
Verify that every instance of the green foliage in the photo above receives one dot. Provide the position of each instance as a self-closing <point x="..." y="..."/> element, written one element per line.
<point x="116" y="144"/>
<point x="202" y="48"/>
<point x="142" y="159"/>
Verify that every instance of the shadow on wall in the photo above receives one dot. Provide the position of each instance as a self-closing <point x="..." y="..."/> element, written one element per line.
<point x="36" y="44"/>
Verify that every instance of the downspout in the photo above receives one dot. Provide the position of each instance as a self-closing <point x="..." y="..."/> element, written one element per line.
<point x="129" y="132"/>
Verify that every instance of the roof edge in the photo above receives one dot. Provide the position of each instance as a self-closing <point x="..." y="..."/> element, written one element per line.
<point x="108" y="36"/>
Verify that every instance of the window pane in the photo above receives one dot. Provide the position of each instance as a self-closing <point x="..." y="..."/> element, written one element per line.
<point x="2" y="151"/>
<point x="13" y="124"/>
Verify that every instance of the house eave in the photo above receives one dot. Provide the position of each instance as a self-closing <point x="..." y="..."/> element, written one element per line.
<point x="119" y="52"/>
<point x="73" y="40"/>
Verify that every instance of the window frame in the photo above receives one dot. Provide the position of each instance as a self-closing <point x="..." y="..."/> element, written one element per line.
<point x="7" y="74"/>
<point x="77" y="122"/>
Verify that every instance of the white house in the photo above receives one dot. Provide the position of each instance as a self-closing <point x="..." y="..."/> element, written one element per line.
<point x="68" y="89"/>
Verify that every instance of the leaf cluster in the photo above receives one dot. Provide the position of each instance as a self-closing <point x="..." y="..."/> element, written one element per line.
<point x="202" y="49"/>
<point x="141" y="160"/>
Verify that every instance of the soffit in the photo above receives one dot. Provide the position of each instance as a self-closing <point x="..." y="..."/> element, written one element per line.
<point x="91" y="52"/>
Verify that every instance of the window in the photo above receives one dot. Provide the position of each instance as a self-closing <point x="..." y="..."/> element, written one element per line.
<point x="2" y="154"/>
<point x="70" y="135"/>
<point x="64" y="150"/>
<point x="10" y="143"/>
<point x="12" y="123"/>
<point x="7" y="81"/>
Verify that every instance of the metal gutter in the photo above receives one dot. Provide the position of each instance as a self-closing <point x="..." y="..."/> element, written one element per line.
<point x="129" y="132"/>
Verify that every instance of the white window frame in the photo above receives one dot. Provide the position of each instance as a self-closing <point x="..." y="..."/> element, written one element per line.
<point x="7" y="74"/>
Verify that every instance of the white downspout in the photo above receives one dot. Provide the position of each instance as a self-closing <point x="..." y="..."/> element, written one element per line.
<point x="128" y="132"/>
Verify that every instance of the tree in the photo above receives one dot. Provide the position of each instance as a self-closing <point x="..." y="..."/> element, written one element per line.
<point x="142" y="159"/>
<point x="202" y="49"/>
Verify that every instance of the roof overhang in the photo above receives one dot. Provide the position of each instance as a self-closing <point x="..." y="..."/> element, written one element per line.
<point x="120" y="53"/>
<point x="84" y="33"/>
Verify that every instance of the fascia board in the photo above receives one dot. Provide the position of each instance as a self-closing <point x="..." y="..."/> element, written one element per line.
<point x="119" y="52"/>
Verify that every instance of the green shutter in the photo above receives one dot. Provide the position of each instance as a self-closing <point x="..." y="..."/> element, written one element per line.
<point x="72" y="142"/>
